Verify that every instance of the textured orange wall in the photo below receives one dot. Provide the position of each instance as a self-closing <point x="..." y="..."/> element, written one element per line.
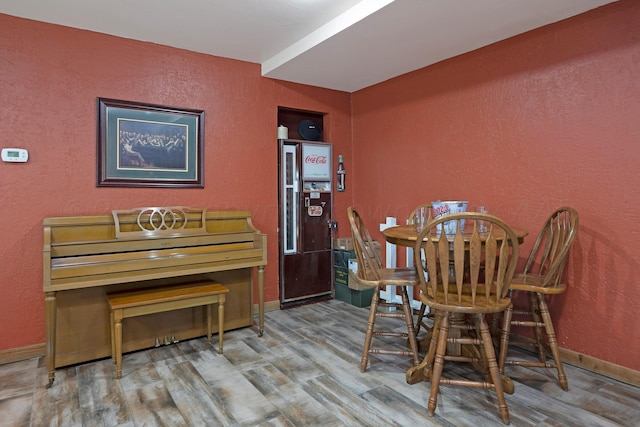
<point x="50" y="77"/>
<point x="545" y="119"/>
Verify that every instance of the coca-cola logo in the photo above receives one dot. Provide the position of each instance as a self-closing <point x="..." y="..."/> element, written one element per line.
<point x="316" y="159"/>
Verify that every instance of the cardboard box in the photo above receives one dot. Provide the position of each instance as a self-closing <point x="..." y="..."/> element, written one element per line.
<point x="343" y="243"/>
<point x="354" y="284"/>
<point x="352" y="265"/>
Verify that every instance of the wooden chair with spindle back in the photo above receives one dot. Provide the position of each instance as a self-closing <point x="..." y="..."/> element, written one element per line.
<point x="371" y="273"/>
<point x="466" y="277"/>
<point x="542" y="277"/>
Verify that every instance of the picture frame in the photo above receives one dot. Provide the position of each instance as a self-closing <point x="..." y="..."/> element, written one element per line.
<point x="147" y="145"/>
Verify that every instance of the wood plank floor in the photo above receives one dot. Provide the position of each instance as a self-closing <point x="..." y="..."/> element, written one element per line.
<point x="303" y="372"/>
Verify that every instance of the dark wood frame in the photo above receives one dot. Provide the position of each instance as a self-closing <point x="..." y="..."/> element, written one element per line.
<point x="121" y="167"/>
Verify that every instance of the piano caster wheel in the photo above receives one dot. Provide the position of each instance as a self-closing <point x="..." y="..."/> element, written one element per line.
<point x="174" y="340"/>
<point x="261" y="333"/>
<point x="50" y="383"/>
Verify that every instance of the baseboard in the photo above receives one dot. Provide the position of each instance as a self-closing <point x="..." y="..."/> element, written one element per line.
<point x="608" y="369"/>
<point x="268" y="306"/>
<point x="589" y="363"/>
<point x="21" y="353"/>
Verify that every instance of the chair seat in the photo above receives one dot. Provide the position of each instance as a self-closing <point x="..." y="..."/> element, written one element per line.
<point x="466" y="305"/>
<point x="533" y="283"/>
<point x="398" y="277"/>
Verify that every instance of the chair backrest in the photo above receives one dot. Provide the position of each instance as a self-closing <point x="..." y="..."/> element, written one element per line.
<point x="468" y="263"/>
<point x="551" y="249"/>
<point x="369" y="262"/>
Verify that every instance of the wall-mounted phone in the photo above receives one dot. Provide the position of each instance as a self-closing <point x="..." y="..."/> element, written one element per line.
<point x="15" y="155"/>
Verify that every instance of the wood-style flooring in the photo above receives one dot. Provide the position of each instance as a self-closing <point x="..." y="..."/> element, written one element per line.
<point x="304" y="371"/>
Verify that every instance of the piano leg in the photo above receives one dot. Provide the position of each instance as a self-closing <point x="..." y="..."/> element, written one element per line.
<point x="209" y="317"/>
<point x="221" y="300"/>
<point x="261" y="299"/>
<point x="117" y="328"/>
<point x="50" y="332"/>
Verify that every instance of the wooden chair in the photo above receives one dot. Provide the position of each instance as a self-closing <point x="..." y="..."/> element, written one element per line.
<point x="371" y="273"/>
<point x="456" y="289"/>
<point x="542" y="276"/>
<point x="420" y="321"/>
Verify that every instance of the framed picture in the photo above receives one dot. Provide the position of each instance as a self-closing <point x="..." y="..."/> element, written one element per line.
<point x="145" y="145"/>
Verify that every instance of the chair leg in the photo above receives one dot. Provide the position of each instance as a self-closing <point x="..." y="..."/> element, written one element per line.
<point x="504" y="337"/>
<point x="370" y="324"/>
<point x="495" y="320"/>
<point x="534" y="309"/>
<point x="438" y="362"/>
<point x="553" y="342"/>
<point x="413" y="342"/>
<point x="420" y="318"/>
<point x="493" y="366"/>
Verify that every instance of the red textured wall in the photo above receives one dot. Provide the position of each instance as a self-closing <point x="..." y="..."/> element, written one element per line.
<point x="50" y="77"/>
<point x="526" y="125"/>
<point x="545" y="119"/>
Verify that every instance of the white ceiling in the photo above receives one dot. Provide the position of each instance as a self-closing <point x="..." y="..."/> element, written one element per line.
<point x="345" y="45"/>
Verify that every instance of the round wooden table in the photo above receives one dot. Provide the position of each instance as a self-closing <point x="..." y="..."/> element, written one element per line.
<point x="406" y="235"/>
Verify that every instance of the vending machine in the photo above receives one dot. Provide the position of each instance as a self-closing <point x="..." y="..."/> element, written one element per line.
<point x="306" y="221"/>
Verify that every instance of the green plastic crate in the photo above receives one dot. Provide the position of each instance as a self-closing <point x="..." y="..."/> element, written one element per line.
<point x="341" y="275"/>
<point x="358" y="298"/>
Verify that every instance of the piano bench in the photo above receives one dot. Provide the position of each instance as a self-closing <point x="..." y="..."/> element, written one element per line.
<point x="139" y="302"/>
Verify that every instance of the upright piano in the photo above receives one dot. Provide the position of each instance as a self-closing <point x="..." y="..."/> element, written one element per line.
<point x="86" y="256"/>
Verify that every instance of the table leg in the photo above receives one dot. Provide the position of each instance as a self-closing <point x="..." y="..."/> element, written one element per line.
<point x="419" y="373"/>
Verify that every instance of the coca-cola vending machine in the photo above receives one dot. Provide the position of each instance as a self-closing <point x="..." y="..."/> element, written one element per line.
<point x="306" y="225"/>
